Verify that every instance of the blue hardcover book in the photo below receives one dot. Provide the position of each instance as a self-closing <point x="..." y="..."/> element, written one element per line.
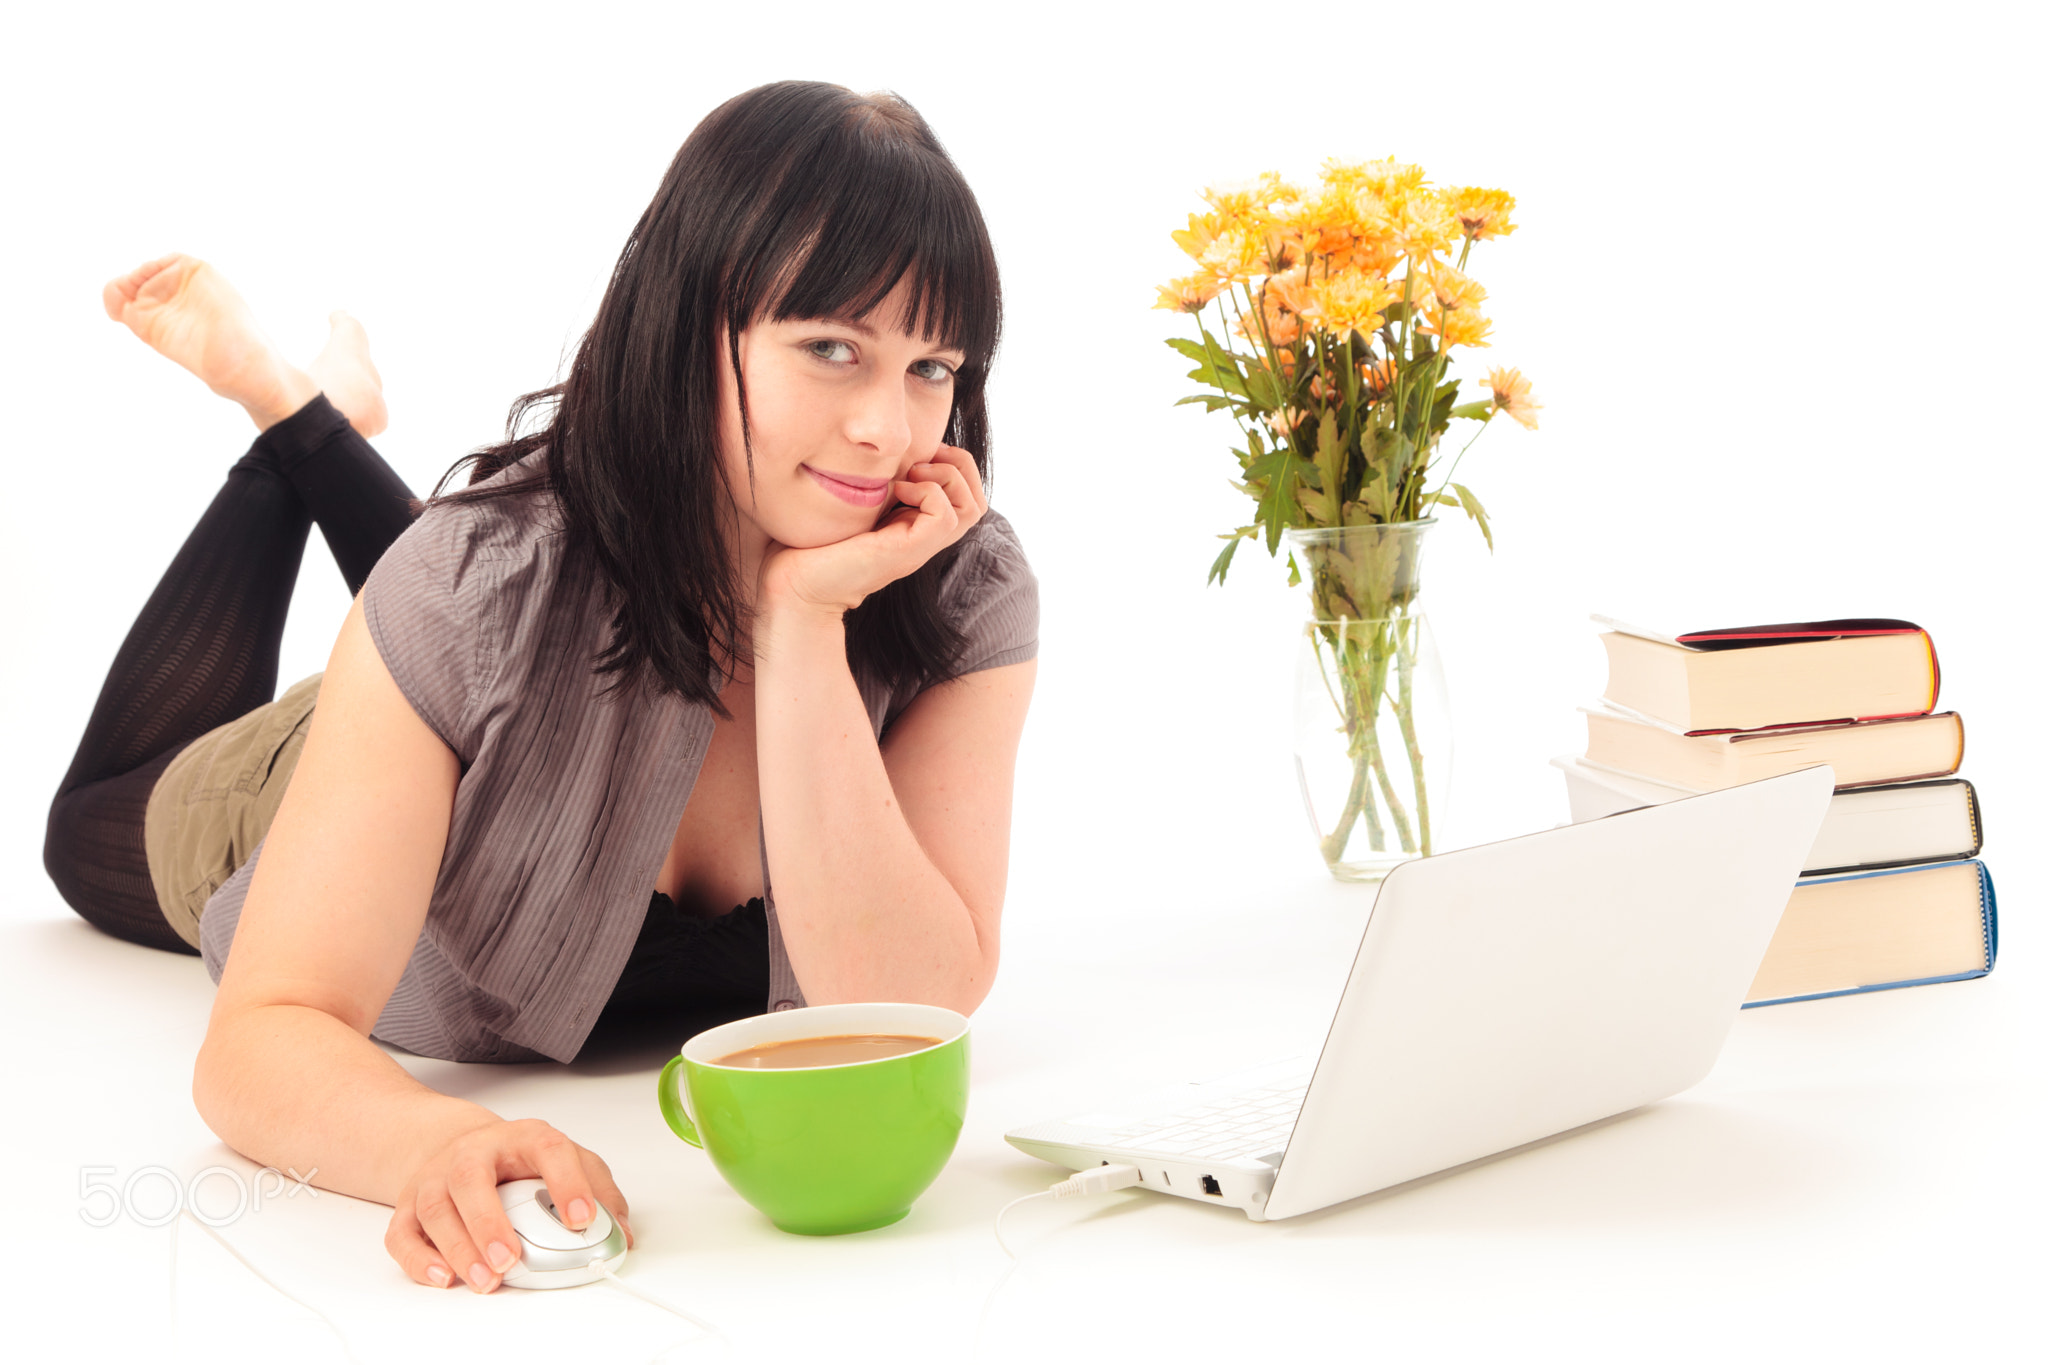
<point x="1874" y="931"/>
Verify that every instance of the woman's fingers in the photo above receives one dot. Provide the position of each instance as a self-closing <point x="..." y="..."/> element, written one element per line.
<point x="417" y="1256"/>
<point x="934" y="518"/>
<point x="559" y="1164"/>
<point x="960" y="460"/>
<point x="608" y="1192"/>
<point x="441" y="1220"/>
<point x="474" y="1186"/>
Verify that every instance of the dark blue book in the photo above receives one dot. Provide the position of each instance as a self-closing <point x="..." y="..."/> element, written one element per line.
<point x="1878" y="930"/>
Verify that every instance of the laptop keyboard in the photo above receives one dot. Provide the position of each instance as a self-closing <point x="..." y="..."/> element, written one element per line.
<point x="1248" y="1123"/>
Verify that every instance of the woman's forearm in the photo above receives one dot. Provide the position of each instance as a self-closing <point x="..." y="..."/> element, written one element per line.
<point x="293" y="1087"/>
<point x="864" y="913"/>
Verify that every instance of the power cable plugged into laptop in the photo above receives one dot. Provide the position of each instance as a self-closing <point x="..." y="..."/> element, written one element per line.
<point x="1095" y="1180"/>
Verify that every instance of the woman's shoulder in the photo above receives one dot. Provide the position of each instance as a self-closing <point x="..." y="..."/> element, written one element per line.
<point x="990" y="557"/>
<point x="991" y="595"/>
<point x="462" y="576"/>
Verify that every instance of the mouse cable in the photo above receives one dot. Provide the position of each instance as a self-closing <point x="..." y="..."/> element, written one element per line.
<point x="709" y="1328"/>
<point x="250" y="1266"/>
<point x="1095" y="1180"/>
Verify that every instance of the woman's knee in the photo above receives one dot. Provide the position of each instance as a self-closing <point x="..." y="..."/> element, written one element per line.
<point x="93" y="853"/>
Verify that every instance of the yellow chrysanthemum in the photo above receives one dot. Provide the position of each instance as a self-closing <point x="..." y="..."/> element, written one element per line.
<point x="1481" y="214"/>
<point x="1251" y="206"/>
<point x="1458" y="327"/>
<point x="1511" y="395"/>
<point x="1422" y="227"/>
<point x="1448" y="287"/>
<point x="1200" y="234"/>
<point x="1230" y="259"/>
<point x="1189" y="295"/>
<point x="1389" y="179"/>
<point x="1350" y="302"/>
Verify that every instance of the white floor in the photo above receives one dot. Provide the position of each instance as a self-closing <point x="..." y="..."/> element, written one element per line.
<point x="1859" y="1178"/>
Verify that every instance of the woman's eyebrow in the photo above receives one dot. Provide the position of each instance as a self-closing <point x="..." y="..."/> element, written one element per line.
<point x="869" y="332"/>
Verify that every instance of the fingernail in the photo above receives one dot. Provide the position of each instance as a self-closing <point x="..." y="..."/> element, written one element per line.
<point x="439" y="1275"/>
<point x="478" y="1277"/>
<point x="579" y="1212"/>
<point x="501" y="1257"/>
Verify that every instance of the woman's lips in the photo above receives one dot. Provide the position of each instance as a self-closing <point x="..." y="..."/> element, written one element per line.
<point x="849" y="488"/>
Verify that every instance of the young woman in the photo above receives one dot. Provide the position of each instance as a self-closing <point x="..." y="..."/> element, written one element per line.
<point x="733" y="627"/>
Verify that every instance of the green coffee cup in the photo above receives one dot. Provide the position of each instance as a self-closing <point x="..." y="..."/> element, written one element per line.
<point x="824" y="1149"/>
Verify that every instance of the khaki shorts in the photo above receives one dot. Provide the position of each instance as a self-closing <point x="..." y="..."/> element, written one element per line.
<point x="215" y="802"/>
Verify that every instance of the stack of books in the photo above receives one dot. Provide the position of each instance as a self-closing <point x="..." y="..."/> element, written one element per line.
<point x="1893" y="893"/>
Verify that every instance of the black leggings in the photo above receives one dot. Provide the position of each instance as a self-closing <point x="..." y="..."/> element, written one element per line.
<point x="205" y="649"/>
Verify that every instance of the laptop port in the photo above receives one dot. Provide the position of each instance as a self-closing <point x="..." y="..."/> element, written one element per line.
<point x="1209" y="1186"/>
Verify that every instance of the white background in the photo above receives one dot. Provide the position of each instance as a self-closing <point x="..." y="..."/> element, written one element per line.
<point x="1777" y="283"/>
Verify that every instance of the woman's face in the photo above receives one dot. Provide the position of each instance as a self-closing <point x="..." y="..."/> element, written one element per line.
<point x="839" y="409"/>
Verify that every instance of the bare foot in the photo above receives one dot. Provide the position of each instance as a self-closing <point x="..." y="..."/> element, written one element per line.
<point x="188" y="312"/>
<point x="344" y="373"/>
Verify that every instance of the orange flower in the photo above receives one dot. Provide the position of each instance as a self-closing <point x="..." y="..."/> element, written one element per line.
<point x="1377" y="378"/>
<point x="1350" y="302"/>
<point x="1459" y="327"/>
<point x="1482" y="214"/>
<point x="1511" y="395"/>
<point x="1284" y="422"/>
<point x="1283" y="327"/>
<point x="1189" y="295"/>
<point x="1290" y="290"/>
<point x="1449" y="287"/>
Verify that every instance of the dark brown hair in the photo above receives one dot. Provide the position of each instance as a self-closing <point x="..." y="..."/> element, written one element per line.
<point x="793" y="200"/>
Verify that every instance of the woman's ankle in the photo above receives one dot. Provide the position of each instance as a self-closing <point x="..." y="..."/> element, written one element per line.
<point x="276" y="397"/>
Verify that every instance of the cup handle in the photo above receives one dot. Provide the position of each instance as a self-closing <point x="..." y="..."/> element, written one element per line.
<point x="674" y="1107"/>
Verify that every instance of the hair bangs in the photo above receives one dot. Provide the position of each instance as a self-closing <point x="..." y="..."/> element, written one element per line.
<point x="878" y="207"/>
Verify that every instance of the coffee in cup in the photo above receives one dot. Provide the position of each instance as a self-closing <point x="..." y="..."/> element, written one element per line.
<point x="828" y="1119"/>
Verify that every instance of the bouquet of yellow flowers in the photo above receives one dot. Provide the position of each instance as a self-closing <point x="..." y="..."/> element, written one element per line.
<point x="1339" y="310"/>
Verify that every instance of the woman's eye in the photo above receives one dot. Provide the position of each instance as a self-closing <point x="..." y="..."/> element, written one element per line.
<point x="837" y="352"/>
<point x="936" y="371"/>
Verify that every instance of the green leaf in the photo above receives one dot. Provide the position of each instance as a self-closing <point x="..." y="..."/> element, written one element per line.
<point x="1222" y="564"/>
<point x="1470" y="503"/>
<point x="1330" y="453"/>
<point x="1281" y="469"/>
<point x="1478" y="412"/>
<point x="1214" y="402"/>
<point x="1193" y="350"/>
<point x="1261" y="387"/>
<point x="1293" y="571"/>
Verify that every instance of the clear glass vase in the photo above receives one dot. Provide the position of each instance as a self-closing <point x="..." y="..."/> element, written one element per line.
<point x="1372" y="717"/>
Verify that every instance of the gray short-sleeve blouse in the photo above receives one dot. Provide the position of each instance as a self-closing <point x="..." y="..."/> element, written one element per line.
<point x="567" y="801"/>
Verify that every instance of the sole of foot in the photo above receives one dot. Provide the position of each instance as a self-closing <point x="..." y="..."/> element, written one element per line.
<point x="186" y="311"/>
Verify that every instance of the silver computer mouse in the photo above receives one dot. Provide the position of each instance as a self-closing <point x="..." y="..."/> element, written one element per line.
<point x="553" y="1255"/>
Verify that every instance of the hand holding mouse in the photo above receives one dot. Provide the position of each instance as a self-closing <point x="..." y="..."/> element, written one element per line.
<point x="450" y="1213"/>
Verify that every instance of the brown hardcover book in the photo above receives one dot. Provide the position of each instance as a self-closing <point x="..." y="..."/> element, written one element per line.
<point x="1862" y="754"/>
<point x="1755" y="677"/>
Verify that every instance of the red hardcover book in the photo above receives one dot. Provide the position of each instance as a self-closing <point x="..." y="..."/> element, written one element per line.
<point x="1766" y="677"/>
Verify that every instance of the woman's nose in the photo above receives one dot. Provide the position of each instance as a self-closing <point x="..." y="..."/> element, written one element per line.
<point x="880" y="417"/>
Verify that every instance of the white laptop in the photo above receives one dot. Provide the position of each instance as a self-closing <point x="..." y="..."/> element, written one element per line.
<point x="1500" y="994"/>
